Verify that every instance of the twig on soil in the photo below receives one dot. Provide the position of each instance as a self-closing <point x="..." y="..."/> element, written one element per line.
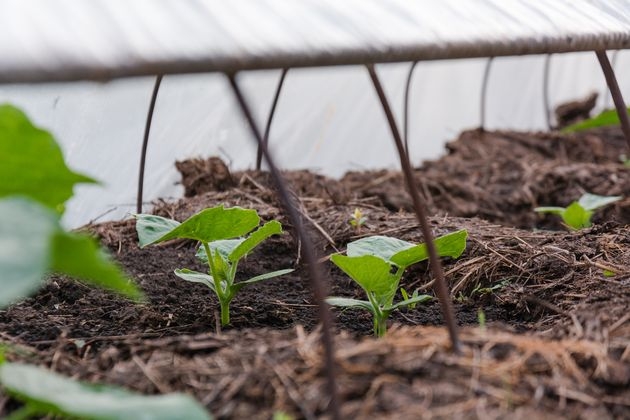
<point x="619" y="323"/>
<point x="250" y="196"/>
<point x="513" y="264"/>
<point x="320" y="229"/>
<point x="556" y="309"/>
<point x="289" y="387"/>
<point x="248" y="178"/>
<point x="151" y="376"/>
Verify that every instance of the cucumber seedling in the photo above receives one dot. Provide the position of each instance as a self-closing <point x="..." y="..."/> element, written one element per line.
<point x="222" y="234"/>
<point x="578" y="214"/>
<point x="377" y="264"/>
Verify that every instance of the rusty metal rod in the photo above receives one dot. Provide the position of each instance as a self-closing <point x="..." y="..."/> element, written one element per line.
<point x="318" y="285"/>
<point x="272" y="111"/>
<point x="145" y="143"/>
<point x="545" y="92"/>
<point x="439" y="287"/>
<point x="484" y="93"/>
<point x="613" y="64"/>
<point x="615" y="92"/>
<point x="406" y="107"/>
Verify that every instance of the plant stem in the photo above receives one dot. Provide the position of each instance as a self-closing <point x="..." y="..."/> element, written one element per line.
<point x="225" y="312"/>
<point x="380" y="325"/>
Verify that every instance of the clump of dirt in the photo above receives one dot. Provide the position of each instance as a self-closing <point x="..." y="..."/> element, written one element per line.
<point x="554" y="341"/>
<point x="203" y="175"/>
<point x="575" y="111"/>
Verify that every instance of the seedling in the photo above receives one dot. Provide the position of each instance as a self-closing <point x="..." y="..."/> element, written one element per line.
<point x="357" y="220"/>
<point x="478" y="290"/>
<point x="578" y="214"/>
<point x="221" y="234"/>
<point x="406" y="296"/>
<point x="481" y="319"/>
<point x="377" y="263"/>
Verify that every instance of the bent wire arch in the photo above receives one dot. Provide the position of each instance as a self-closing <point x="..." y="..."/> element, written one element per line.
<point x="545" y="90"/>
<point x="484" y="94"/>
<point x="615" y="92"/>
<point x="318" y="285"/>
<point x="613" y="64"/>
<point x="439" y="287"/>
<point x="406" y="107"/>
<point x="145" y="142"/>
<point x="272" y="111"/>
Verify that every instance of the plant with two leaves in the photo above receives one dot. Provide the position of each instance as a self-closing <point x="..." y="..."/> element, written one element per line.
<point x="578" y="214"/>
<point x="221" y="233"/>
<point x="377" y="264"/>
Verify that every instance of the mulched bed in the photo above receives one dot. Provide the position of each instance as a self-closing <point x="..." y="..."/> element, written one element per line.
<point x="556" y="341"/>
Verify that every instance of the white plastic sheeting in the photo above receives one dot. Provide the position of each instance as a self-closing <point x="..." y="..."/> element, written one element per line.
<point x="328" y="119"/>
<point x="44" y="40"/>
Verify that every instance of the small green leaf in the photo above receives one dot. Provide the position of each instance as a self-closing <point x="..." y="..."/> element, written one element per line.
<point x="372" y="273"/>
<point x="449" y="245"/>
<point x="215" y="224"/>
<point x="224" y="247"/>
<point x="605" y="118"/>
<point x="409" y="302"/>
<point x="350" y="303"/>
<point x="265" y="231"/>
<point x="576" y="216"/>
<point x="609" y="273"/>
<point x="48" y="392"/>
<point x="26" y="232"/>
<point x="593" y="201"/>
<point x="195" y="277"/>
<point x="32" y="162"/>
<point x="379" y="246"/>
<point x="150" y="228"/>
<point x="267" y="276"/>
<point x="550" y="210"/>
<point x="80" y="257"/>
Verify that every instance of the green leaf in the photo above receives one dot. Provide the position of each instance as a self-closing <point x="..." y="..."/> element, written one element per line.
<point x="151" y="228"/>
<point x="32" y="162"/>
<point x="265" y="231"/>
<point x="350" y="303"/>
<point x="372" y="273"/>
<point x="267" y="276"/>
<point x="48" y="392"/>
<point x="215" y="224"/>
<point x="379" y="246"/>
<point x="26" y="232"/>
<point x="593" y="201"/>
<point x="195" y="277"/>
<point x="576" y="216"/>
<point x="605" y="118"/>
<point x="550" y="210"/>
<point x="449" y="245"/>
<point x="224" y="247"/>
<point x="410" y="301"/>
<point x="80" y="256"/>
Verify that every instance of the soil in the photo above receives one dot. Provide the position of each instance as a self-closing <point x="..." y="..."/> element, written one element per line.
<point x="556" y="337"/>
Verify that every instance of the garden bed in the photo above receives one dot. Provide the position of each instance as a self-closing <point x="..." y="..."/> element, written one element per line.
<point x="556" y="340"/>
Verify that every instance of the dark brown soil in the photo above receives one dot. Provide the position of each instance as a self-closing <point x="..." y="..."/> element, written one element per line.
<point x="557" y="338"/>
